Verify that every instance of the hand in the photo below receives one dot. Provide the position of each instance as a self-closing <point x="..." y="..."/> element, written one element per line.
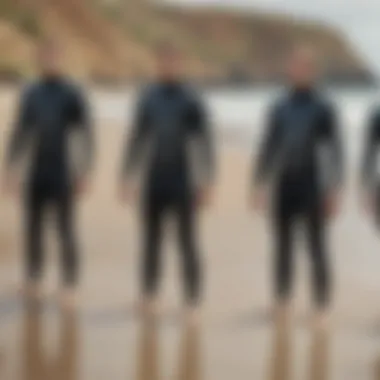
<point x="332" y="204"/>
<point x="82" y="187"/>
<point x="259" y="199"/>
<point x="204" y="196"/>
<point x="11" y="185"/>
<point x="127" y="193"/>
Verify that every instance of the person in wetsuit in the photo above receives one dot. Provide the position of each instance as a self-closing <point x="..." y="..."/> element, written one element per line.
<point x="370" y="170"/>
<point x="171" y="122"/>
<point x="301" y="157"/>
<point x="51" y="111"/>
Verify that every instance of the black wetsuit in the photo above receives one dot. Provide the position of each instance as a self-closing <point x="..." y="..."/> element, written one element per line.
<point x="50" y="110"/>
<point x="169" y="117"/>
<point x="299" y="126"/>
<point x="370" y="170"/>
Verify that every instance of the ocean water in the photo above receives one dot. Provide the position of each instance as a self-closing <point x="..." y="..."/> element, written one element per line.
<point x="239" y="109"/>
<point x="243" y="112"/>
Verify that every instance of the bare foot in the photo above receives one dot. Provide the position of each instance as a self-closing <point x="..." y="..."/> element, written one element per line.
<point x="32" y="292"/>
<point x="192" y="315"/>
<point x="281" y="311"/>
<point x="68" y="299"/>
<point x="320" y="320"/>
<point x="148" y="307"/>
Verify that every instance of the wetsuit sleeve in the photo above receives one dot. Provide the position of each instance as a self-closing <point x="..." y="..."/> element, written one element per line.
<point x="200" y="125"/>
<point x="22" y="130"/>
<point x="268" y="151"/>
<point x="136" y="141"/>
<point x="332" y="139"/>
<point x="82" y="122"/>
<point x="371" y="150"/>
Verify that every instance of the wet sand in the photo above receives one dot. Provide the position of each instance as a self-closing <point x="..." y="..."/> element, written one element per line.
<point x="235" y="339"/>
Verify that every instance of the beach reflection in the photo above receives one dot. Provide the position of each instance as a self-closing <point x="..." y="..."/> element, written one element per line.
<point x="188" y="361"/>
<point x="190" y="355"/>
<point x="280" y="357"/>
<point x="148" y="351"/>
<point x="280" y="363"/>
<point x="377" y="368"/>
<point x="38" y="362"/>
<point x="34" y="366"/>
<point x="319" y="355"/>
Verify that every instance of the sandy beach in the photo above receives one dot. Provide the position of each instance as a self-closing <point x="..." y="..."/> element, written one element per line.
<point x="235" y="340"/>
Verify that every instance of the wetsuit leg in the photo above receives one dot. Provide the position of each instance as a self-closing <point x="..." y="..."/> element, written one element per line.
<point x="66" y="230"/>
<point x="34" y="207"/>
<point x="284" y="226"/>
<point x="317" y="246"/>
<point x="377" y="206"/>
<point x="185" y="211"/>
<point x="153" y="218"/>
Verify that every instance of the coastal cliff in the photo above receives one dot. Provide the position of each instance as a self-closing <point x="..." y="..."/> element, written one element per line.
<point x="113" y="40"/>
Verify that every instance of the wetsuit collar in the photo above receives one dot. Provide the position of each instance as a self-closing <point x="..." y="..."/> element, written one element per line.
<point x="302" y="93"/>
<point x="52" y="79"/>
<point x="171" y="85"/>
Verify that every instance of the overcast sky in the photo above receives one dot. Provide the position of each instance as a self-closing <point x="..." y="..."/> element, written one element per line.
<point x="360" y="19"/>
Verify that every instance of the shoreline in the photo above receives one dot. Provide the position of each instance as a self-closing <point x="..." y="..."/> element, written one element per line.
<point x="237" y="255"/>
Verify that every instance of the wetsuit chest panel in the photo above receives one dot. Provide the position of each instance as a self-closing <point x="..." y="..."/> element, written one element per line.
<point x="50" y="110"/>
<point x="169" y="170"/>
<point x="51" y="117"/>
<point x="167" y="115"/>
<point x="299" y="124"/>
<point x="168" y="129"/>
<point x="299" y="131"/>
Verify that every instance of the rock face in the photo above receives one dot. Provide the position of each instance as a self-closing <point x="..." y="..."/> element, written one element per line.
<point x="110" y="40"/>
<point x="256" y="45"/>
